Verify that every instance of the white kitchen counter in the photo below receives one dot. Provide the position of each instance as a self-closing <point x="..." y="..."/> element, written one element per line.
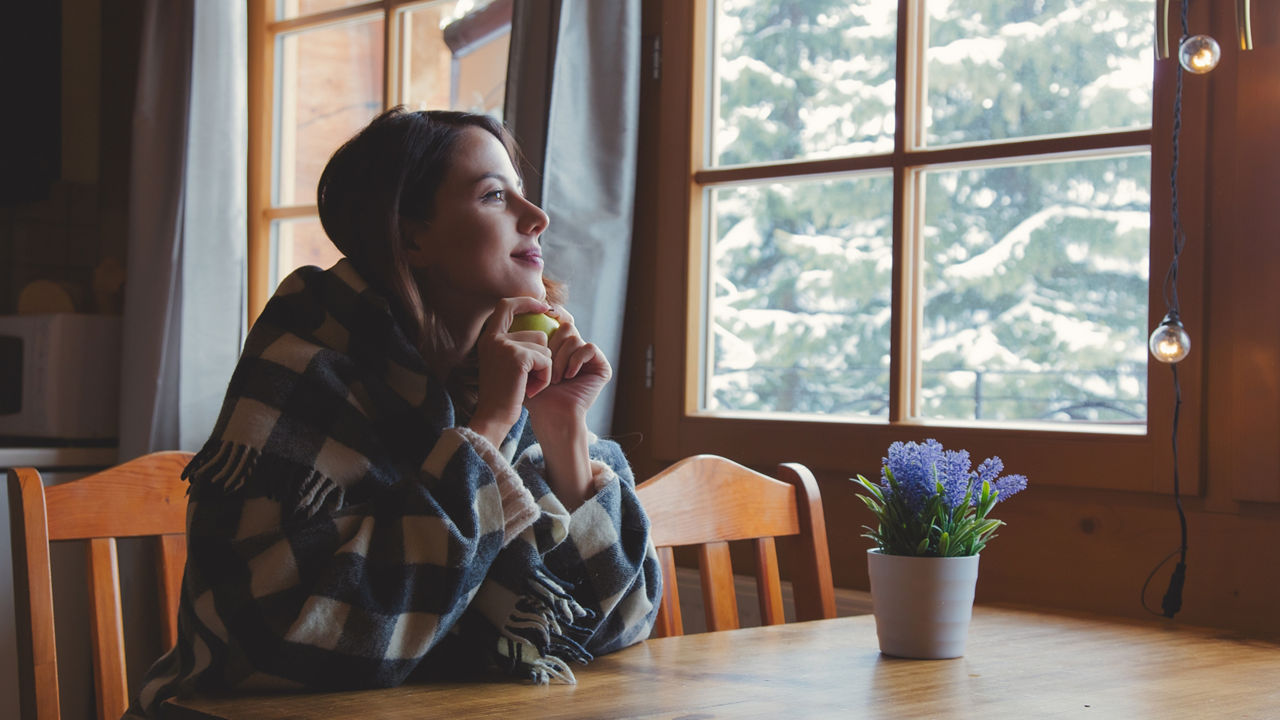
<point x="50" y="458"/>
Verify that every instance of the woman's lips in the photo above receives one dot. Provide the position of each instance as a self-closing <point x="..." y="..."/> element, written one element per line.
<point x="532" y="257"/>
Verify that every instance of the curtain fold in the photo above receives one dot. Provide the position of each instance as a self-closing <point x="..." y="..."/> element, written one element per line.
<point x="184" y="311"/>
<point x="574" y="85"/>
<point x="184" y="308"/>
<point x="215" y="222"/>
<point x="153" y="296"/>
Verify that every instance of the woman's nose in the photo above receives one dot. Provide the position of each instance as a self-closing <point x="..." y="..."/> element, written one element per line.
<point x="534" y="221"/>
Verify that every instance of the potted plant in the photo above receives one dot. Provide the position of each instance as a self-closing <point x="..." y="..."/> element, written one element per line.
<point x="934" y="519"/>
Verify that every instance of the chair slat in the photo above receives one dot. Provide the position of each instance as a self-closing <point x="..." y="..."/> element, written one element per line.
<point x="33" y="597"/>
<point x="170" y="558"/>
<point x="768" y="583"/>
<point x="669" y="622"/>
<point x="107" y="626"/>
<point x="719" y="598"/>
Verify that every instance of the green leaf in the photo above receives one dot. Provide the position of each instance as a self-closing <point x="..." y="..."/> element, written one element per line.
<point x="870" y="487"/>
<point x="876" y="507"/>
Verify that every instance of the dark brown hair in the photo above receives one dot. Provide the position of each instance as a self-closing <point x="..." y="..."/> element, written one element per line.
<point x="390" y="172"/>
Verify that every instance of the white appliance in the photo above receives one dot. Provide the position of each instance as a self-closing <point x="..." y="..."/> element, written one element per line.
<point x="59" y="376"/>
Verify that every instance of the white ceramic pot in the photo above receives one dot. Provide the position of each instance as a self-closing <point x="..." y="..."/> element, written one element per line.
<point x="922" y="604"/>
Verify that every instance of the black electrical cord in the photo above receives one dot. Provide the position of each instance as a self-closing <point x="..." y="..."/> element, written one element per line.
<point x="1172" y="601"/>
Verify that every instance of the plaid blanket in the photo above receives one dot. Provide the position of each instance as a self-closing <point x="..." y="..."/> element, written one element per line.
<point x="344" y="531"/>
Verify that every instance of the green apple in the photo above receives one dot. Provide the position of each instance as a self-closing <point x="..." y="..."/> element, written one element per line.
<point x="535" y="321"/>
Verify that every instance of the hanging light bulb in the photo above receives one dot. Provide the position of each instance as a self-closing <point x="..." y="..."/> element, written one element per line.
<point x="1199" y="54"/>
<point x="1170" y="341"/>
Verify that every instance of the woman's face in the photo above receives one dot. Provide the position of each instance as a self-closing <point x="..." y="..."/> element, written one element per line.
<point x="483" y="242"/>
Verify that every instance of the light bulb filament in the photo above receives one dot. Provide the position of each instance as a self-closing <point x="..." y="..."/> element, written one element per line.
<point x="1199" y="54"/>
<point x="1170" y="342"/>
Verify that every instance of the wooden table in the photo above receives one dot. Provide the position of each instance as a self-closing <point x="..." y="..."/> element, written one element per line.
<point x="1019" y="664"/>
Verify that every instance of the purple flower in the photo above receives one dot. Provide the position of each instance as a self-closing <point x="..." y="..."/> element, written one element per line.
<point x="953" y="470"/>
<point x="1006" y="486"/>
<point x="912" y="466"/>
<point x="989" y="470"/>
<point x="1009" y="485"/>
<point x="918" y="468"/>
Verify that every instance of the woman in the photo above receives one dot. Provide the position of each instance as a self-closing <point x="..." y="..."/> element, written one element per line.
<point x="398" y="486"/>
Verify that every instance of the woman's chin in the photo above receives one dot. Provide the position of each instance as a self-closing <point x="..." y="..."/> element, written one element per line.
<point x="533" y="290"/>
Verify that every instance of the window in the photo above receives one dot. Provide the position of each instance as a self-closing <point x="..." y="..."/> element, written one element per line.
<point x="322" y="69"/>
<point x="931" y="218"/>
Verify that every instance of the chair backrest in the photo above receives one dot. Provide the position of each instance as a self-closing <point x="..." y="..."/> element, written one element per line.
<point x="708" y="501"/>
<point x="139" y="498"/>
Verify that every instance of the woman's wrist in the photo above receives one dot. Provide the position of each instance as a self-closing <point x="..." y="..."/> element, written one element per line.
<point x="565" y="443"/>
<point x="490" y="429"/>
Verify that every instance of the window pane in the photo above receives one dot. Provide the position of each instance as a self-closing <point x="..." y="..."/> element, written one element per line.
<point x="1000" y="70"/>
<point x="796" y="79"/>
<point x="799" y="302"/>
<point x="456" y="56"/>
<point x="330" y="87"/>
<point x="286" y="9"/>
<point x="1035" y="287"/>
<point x="298" y="243"/>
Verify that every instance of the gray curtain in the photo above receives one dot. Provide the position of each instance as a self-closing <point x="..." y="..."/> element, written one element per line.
<point x="184" y="312"/>
<point x="184" y="295"/>
<point x="573" y="96"/>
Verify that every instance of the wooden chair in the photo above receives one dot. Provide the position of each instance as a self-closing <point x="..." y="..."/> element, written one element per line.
<point x="143" y="497"/>
<point x="708" y="501"/>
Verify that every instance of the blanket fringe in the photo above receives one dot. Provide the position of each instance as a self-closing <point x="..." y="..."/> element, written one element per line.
<point x="228" y="466"/>
<point x="539" y="669"/>
<point x="541" y="634"/>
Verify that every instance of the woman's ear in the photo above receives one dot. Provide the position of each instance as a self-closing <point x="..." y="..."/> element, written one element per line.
<point x="413" y="233"/>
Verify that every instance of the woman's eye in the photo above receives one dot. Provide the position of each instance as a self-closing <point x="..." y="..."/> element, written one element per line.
<point x="498" y="195"/>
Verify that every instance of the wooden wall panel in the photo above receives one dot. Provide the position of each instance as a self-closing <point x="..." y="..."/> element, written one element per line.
<point x="1244" y="261"/>
<point x="1092" y="550"/>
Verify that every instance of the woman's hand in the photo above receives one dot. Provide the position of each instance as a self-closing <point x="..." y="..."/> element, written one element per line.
<point x="558" y="413"/>
<point x="579" y="371"/>
<point x="513" y="366"/>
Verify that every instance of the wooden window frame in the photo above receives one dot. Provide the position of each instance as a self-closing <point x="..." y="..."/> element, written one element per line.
<point x="263" y="30"/>
<point x="1077" y="457"/>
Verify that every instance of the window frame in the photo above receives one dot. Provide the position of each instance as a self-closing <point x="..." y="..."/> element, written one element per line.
<point x="263" y="31"/>
<point x="1082" y="457"/>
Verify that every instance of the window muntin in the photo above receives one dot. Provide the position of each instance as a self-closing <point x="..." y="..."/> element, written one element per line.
<point x="1084" y="393"/>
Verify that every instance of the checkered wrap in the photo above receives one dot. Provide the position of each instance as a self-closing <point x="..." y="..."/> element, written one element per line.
<point x="344" y="532"/>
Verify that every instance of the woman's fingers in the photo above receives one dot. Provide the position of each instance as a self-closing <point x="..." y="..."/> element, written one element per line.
<point x="513" y="366"/>
<point x="539" y="364"/>
<point x="564" y="342"/>
<point x="588" y="356"/>
<point x="508" y="309"/>
<point x="543" y="362"/>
